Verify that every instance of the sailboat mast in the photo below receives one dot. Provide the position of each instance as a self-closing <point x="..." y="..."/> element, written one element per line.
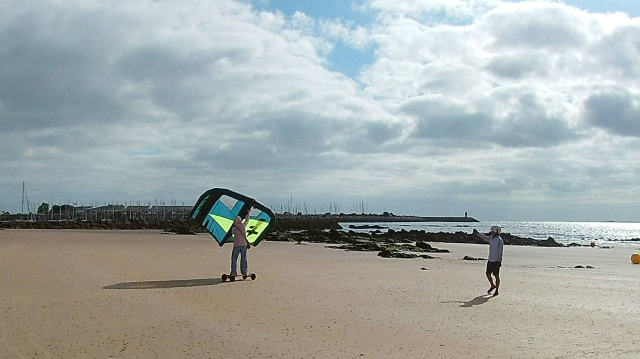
<point x="22" y="211"/>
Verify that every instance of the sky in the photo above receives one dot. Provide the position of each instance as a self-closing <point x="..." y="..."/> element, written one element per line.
<point x="506" y="110"/>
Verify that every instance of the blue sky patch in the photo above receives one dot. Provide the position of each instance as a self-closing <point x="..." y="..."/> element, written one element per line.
<point x="318" y="9"/>
<point x="631" y="7"/>
<point x="343" y="58"/>
<point x="349" y="61"/>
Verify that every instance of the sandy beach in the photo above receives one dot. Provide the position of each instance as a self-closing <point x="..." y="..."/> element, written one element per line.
<point x="144" y="294"/>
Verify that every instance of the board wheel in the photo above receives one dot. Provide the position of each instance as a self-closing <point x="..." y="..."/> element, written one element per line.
<point x="244" y="277"/>
<point x="253" y="276"/>
<point x="224" y="277"/>
<point x="232" y="278"/>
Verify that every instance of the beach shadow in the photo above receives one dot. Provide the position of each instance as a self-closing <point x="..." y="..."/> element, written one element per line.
<point x="481" y="299"/>
<point x="158" y="284"/>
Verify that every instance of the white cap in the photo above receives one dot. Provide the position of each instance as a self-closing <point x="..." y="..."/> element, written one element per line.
<point x="495" y="229"/>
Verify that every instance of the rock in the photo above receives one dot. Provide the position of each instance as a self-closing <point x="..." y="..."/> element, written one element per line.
<point x="578" y="267"/>
<point x="549" y="242"/>
<point x="412" y="248"/>
<point x="423" y="245"/>
<point x="470" y="258"/>
<point x="362" y="247"/>
<point x="385" y="253"/>
<point x="403" y="255"/>
<point x="181" y="228"/>
<point x="436" y="250"/>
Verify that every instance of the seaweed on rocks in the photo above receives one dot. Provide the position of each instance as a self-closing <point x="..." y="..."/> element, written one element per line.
<point x="386" y="253"/>
<point x="421" y="238"/>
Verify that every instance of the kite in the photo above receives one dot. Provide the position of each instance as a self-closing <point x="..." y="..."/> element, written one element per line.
<point x="216" y="209"/>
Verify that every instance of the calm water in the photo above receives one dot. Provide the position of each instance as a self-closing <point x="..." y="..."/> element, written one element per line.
<point x="563" y="232"/>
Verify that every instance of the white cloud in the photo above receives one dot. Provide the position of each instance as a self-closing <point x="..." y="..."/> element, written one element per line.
<point x="356" y="36"/>
<point x="524" y="66"/>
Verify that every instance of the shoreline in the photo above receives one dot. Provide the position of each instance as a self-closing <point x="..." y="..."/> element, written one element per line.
<point x="318" y="229"/>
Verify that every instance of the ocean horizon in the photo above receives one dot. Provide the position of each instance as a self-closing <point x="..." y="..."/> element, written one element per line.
<point x="602" y="233"/>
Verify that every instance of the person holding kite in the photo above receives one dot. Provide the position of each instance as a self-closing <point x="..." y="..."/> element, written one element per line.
<point x="233" y="217"/>
<point x="240" y="244"/>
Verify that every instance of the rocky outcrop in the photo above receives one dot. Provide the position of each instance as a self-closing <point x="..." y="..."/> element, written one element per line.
<point x="386" y="253"/>
<point x="178" y="227"/>
<point x="420" y="238"/>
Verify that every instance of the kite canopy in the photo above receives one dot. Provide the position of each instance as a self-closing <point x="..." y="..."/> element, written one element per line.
<point x="216" y="209"/>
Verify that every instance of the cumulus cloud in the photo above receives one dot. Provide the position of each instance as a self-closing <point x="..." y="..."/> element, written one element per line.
<point x="518" y="74"/>
<point x="535" y="27"/>
<point x="617" y="111"/>
<point x="351" y="34"/>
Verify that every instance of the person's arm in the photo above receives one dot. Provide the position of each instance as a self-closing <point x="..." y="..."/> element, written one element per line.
<point x="481" y="236"/>
<point x="246" y="219"/>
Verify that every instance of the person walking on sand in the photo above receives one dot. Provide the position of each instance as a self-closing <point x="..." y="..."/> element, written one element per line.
<point x="495" y="257"/>
<point x="240" y="244"/>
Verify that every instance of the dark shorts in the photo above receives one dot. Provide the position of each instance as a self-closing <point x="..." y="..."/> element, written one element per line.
<point x="493" y="268"/>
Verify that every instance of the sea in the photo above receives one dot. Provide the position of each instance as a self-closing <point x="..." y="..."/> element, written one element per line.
<point x="601" y="233"/>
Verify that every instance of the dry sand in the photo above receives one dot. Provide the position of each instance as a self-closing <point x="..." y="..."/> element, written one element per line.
<point x="101" y="294"/>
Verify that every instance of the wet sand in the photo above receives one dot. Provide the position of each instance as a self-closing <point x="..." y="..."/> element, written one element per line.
<point x="143" y="294"/>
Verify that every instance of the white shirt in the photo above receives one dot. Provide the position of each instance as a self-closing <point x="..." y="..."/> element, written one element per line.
<point x="495" y="247"/>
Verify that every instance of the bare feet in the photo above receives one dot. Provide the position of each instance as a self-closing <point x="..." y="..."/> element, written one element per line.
<point x="496" y="293"/>
<point x="490" y="289"/>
